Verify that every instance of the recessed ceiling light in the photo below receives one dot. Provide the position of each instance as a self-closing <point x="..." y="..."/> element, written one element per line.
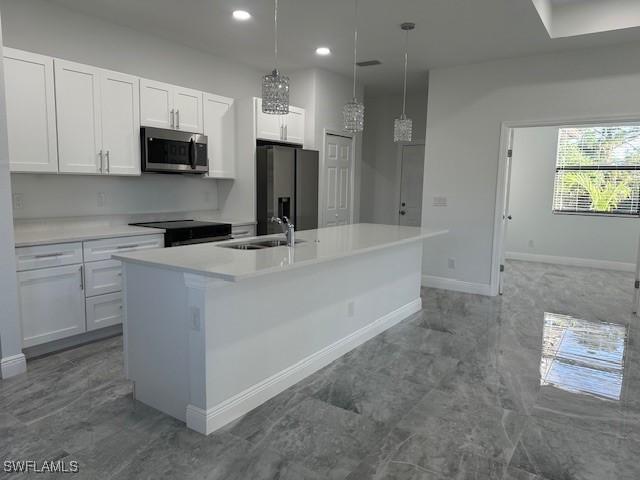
<point x="323" y="51"/>
<point x="241" y="15"/>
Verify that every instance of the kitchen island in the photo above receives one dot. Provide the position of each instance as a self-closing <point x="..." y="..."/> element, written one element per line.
<point x="212" y="331"/>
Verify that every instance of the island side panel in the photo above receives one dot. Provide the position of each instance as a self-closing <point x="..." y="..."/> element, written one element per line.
<point x="265" y="334"/>
<point x="156" y="337"/>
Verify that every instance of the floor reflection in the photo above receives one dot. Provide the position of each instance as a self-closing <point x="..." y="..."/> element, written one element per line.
<point x="583" y="357"/>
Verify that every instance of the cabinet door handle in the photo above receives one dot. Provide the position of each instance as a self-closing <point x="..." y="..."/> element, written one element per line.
<point x="81" y="277"/>
<point x="172" y="117"/>
<point x="108" y="154"/>
<point x="281" y="132"/>
<point x="286" y="132"/>
<point x="49" y="255"/>
<point x="177" y="118"/>
<point x="101" y="161"/>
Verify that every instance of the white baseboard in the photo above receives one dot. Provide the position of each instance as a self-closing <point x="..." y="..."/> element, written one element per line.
<point x="572" y="261"/>
<point x="208" y="421"/>
<point x="444" y="283"/>
<point x="12" y="366"/>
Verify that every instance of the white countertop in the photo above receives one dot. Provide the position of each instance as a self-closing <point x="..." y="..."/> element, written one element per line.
<point x="28" y="237"/>
<point x="322" y="245"/>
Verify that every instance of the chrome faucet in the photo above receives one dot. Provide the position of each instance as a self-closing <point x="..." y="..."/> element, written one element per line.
<point x="288" y="229"/>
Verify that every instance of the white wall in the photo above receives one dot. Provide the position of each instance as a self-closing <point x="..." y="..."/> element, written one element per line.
<point x="380" y="169"/>
<point x="536" y="231"/>
<point x="50" y="196"/>
<point x="466" y="107"/>
<point x="10" y="334"/>
<point x="46" y="28"/>
<point x="323" y="94"/>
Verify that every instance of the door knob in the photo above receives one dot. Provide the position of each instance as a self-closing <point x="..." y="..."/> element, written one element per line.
<point x="403" y="212"/>
<point x="509" y="217"/>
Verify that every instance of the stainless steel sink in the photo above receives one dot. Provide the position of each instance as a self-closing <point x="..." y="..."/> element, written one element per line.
<point x="259" y="244"/>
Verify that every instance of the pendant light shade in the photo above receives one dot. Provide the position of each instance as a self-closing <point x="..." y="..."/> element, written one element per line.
<point x="403" y="126"/>
<point x="353" y="111"/>
<point x="275" y="87"/>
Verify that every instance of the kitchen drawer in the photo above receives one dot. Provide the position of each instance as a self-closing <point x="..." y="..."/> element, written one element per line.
<point x="96" y="250"/>
<point x="43" y="256"/>
<point x="102" y="277"/>
<point x="104" y="311"/>
<point x="242" y="231"/>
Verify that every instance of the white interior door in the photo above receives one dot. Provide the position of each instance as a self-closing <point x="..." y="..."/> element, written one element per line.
<point x="412" y="174"/>
<point x="156" y="104"/>
<point x="188" y="105"/>
<point x="120" y="123"/>
<point x="79" y="117"/>
<point x="506" y="215"/>
<point x="338" y="174"/>
<point x="31" y="116"/>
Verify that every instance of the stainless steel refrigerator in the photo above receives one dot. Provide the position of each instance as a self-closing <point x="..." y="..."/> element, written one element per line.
<point x="287" y="185"/>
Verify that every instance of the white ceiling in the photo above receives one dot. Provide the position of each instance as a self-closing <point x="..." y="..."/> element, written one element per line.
<point x="448" y="32"/>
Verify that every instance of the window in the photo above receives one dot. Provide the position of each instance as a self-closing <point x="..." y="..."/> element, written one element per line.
<point x="598" y="170"/>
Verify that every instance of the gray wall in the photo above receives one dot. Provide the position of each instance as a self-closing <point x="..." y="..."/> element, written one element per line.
<point x="380" y="172"/>
<point x="535" y="230"/>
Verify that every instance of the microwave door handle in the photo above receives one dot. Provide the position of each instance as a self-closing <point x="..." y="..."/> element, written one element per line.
<point x="192" y="154"/>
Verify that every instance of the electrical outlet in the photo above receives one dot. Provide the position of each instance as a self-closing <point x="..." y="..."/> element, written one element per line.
<point x="101" y="200"/>
<point x="195" y="319"/>
<point x="18" y="201"/>
<point x="451" y="263"/>
<point x="351" y="309"/>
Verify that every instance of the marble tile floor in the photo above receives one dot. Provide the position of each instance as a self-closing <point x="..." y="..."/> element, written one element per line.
<point x="542" y="383"/>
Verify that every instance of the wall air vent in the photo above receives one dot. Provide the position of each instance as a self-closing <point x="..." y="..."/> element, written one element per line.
<point x="369" y="63"/>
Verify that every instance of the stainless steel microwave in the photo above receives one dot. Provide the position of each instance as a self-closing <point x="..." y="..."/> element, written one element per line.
<point x="171" y="151"/>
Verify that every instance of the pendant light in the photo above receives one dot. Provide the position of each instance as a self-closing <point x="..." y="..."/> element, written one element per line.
<point x="275" y="87"/>
<point x="403" y="126"/>
<point x="354" y="110"/>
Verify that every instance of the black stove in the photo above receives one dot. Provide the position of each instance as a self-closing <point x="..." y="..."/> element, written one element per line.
<point x="189" y="232"/>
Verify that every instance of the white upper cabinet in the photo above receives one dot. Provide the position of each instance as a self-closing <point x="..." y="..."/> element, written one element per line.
<point x="78" y="114"/>
<point x="188" y="106"/>
<point x="31" y="117"/>
<point x="220" y="129"/>
<point x="168" y="106"/>
<point x="294" y="126"/>
<point x="268" y="127"/>
<point x="156" y="104"/>
<point x="120" y="123"/>
<point x="98" y="120"/>
<point x="280" y="128"/>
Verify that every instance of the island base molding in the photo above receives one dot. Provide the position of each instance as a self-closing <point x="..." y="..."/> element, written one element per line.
<point x="208" y="421"/>
<point x="207" y="351"/>
<point x="13" y="365"/>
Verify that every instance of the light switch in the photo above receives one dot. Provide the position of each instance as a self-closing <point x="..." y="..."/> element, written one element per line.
<point x="18" y="201"/>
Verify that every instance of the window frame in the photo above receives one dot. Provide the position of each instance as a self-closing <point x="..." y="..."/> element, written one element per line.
<point x="574" y="168"/>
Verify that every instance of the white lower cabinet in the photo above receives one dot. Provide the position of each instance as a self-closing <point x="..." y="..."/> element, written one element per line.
<point x="103" y="277"/>
<point x="71" y="288"/>
<point x="104" y="311"/>
<point x="51" y="304"/>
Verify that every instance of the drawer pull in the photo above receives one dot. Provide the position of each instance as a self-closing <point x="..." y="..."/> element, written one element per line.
<point x="120" y="247"/>
<point x="49" y="255"/>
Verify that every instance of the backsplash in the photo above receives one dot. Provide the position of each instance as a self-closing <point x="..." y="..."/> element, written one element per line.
<point x="52" y="196"/>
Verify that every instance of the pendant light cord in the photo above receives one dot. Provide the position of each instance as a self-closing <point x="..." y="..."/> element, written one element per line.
<point x="355" y="46"/>
<point x="275" y="29"/>
<point x="406" y="59"/>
